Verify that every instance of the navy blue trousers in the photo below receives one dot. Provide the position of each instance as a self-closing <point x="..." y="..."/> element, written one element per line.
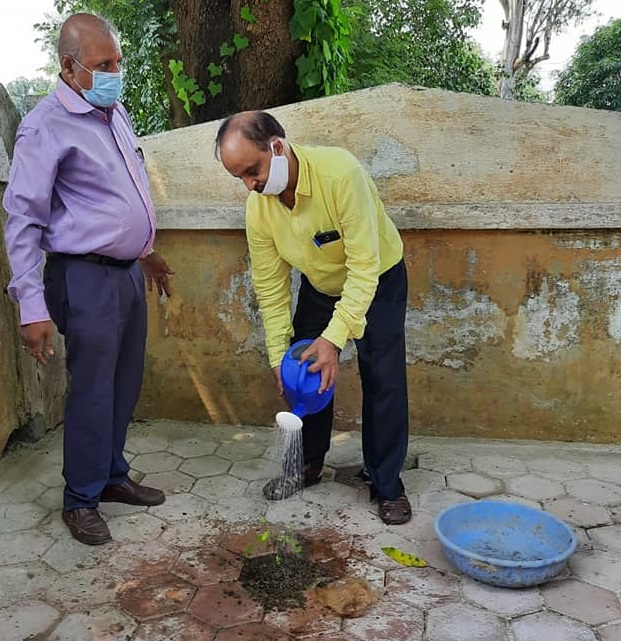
<point x="101" y="311"/>
<point x="382" y="367"/>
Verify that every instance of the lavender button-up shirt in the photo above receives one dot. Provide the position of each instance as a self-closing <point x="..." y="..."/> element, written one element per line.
<point x="77" y="185"/>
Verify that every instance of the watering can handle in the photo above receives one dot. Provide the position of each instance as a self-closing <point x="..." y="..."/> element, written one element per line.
<point x="302" y="376"/>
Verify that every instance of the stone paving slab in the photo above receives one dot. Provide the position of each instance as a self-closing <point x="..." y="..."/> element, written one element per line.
<point x="172" y="572"/>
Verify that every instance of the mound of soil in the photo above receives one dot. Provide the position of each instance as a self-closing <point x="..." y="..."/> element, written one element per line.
<point x="278" y="582"/>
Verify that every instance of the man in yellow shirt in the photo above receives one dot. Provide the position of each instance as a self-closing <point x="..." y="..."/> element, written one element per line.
<point x="317" y="210"/>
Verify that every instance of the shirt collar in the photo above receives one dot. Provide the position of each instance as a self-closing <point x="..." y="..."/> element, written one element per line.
<point x="73" y="101"/>
<point x="304" y="186"/>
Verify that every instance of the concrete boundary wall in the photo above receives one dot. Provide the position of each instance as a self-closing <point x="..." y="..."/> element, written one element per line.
<point x="509" y="214"/>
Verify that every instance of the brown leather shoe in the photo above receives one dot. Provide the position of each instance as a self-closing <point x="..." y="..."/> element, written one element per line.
<point x="87" y="526"/>
<point x="132" y="493"/>
<point x="395" y="511"/>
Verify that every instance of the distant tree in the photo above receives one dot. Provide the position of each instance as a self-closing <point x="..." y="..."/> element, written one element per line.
<point x="529" y="26"/>
<point x="593" y="76"/>
<point x="25" y="93"/>
<point x="419" y="42"/>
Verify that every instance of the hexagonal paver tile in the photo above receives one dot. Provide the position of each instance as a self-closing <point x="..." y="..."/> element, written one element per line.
<point x="202" y="466"/>
<point x="369" y="548"/>
<point x="608" y="537"/>
<point x="180" y="507"/>
<point x="295" y="513"/>
<point x="422" y="588"/>
<point x="142" y="559"/>
<point x="155" y="596"/>
<point x="578" y="513"/>
<point x="106" y="624"/>
<point x="28" y="621"/>
<point x="610" y="632"/>
<point x="208" y="565"/>
<point x="504" y="601"/>
<point x="385" y="622"/>
<point x="474" y="485"/>
<point x="24" y="491"/>
<point x="135" y="527"/>
<point x="146" y="444"/>
<point x="178" y="627"/>
<point x="323" y="544"/>
<point x="419" y="481"/>
<point x="185" y="534"/>
<point x="593" y="491"/>
<point x="357" y="568"/>
<point x="557" y="469"/>
<point x="69" y="555"/>
<point x="582" y="601"/>
<point x="20" y="516"/>
<point x="534" y="487"/>
<point x="435" y="502"/>
<point x="22" y="547"/>
<point x="333" y="495"/>
<point x="252" y="632"/>
<point x="444" y="462"/>
<point x="21" y="582"/>
<point x="83" y="589"/>
<point x="52" y="475"/>
<point x="302" y="622"/>
<point x="356" y="520"/>
<point x="241" y="450"/>
<point x="225" y="604"/>
<point x="459" y="622"/>
<point x="214" y="487"/>
<point x="191" y="447"/>
<point x="500" y="467"/>
<point x="599" y="568"/>
<point x="156" y="462"/>
<point x="170" y="482"/>
<point x="609" y="472"/>
<point x="510" y="498"/>
<point x="51" y="499"/>
<point x="236" y="509"/>
<point x="551" y="627"/>
<point x="255" y="469"/>
<point x="420" y="527"/>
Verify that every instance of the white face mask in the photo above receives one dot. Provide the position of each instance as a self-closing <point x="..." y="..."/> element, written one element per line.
<point x="278" y="177"/>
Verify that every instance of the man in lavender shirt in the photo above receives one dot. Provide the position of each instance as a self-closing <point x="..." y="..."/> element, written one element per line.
<point x="78" y="192"/>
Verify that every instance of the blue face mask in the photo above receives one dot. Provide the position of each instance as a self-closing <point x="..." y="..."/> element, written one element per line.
<point x="106" y="88"/>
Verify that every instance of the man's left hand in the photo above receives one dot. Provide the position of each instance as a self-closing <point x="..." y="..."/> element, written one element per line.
<point x="327" y="361"/>
<point x="156" y="269"/>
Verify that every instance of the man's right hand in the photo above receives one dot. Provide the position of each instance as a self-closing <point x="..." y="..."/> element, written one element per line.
<point x="37" y="340"/>
<point x="276" y="372"/>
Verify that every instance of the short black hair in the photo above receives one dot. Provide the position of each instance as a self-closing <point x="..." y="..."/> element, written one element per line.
<point x="259" y="127"/>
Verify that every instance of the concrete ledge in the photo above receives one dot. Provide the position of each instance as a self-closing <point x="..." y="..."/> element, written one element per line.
<point x="507" y="216"/>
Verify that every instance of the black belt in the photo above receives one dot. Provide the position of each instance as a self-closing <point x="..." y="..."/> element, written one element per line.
<point x="95" y="258"/>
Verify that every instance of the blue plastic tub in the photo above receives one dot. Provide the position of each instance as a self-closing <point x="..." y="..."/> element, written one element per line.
<point x="505" y="544"/>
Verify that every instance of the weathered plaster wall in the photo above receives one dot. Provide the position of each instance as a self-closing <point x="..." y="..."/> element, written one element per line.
<point x="28" y="392"/>
<point x="509" y="214"/>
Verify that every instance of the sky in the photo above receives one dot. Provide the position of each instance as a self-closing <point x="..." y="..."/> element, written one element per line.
<point x="20" y="55"/>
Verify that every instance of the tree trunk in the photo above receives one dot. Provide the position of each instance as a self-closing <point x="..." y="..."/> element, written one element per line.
<point x="514" y="26"/>
<point x="260" y="76"/>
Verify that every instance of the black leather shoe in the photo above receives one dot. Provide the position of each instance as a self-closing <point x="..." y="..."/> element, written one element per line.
<point x="132" y="493"/>
<point x="87" y="526"/>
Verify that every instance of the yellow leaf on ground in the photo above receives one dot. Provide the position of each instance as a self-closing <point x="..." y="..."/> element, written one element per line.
<point x="409" y="560"/>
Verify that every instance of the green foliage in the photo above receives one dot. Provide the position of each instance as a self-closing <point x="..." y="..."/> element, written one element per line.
<point x="324" y="29"/>
<point x="186" y="88"/>
<point x="25" y="92"/>
<point x="279" y="542"/>
<point x="593" y="77"/>
<point x="418" y="42"/>
<point x="527" y="88"/>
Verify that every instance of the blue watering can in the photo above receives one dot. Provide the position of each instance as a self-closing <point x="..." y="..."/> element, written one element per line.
<point x="301" y="386"/>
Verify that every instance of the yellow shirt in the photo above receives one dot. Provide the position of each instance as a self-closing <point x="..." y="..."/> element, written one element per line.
<point x="334" y="192"/>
